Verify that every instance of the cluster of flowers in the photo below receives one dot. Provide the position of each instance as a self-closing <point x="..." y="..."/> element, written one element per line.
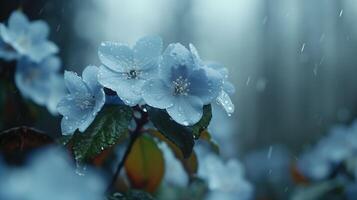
<point x="330" y="152"/>
<point x="225" y="180"/>
<point x="177" y="80"/>
<point x="37" y="72"/>
<point x="333" y="156"/>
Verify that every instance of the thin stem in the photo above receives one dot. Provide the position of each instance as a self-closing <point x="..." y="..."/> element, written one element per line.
<point x="140" y="122"/>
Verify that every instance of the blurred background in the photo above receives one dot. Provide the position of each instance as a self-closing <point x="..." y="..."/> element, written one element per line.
<point x="293" y="62"/>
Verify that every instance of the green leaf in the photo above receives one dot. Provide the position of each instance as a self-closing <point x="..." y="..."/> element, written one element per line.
<point x="131" y="195"/>
<point x="203" y="123"/>
<point x="109" y="127"/>
<point x="145" y="165"/>
<point x="180" y="135"/>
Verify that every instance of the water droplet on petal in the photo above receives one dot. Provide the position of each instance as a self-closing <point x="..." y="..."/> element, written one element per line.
<point x="225" y="101"/>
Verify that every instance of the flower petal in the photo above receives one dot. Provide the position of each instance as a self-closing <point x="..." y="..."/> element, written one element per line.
<point x="99" y="101"/>
<point x="147" y="52"/>
<point x="195" y="55"/>
<point x="205" y="84"/>
<point x="4" y="33"/>
<point x="68" y="126"/>
<point x="18" y="22"/>
<point x="38" y="51"/>
<point x="90" y="77"/>
<point x="38" y="30"/>
<point x="32" y="81"/>
<point x="175" y="55"/>
<point x="51" y="64"/>
<point x="157" y="94"/>
<point x="116" y="56"/>
<point x="84" y="124"/>
<point x="68" y="107"/>
<point x="225" y="101"/>
<point x="187" y="110"/>
<point x="7" y="53"/>
<point x="74" y="83"/>
<point x="58" y="91"/>
<point x="129" y="90"/>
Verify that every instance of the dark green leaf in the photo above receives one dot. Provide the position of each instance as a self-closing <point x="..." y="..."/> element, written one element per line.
<point x="203" y="123"/>
<point x="178" y="134"/>
<point x="109" y="127"/>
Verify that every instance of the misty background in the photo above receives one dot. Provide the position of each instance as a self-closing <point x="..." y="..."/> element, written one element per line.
<point x="293" y="62"/>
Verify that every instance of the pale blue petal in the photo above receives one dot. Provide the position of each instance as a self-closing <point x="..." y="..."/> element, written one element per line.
<point x="225" y="101"/>
<point x="175" y="56"/>
<point x="6" y="52"/>
<point x="205" y="84"/>
<point x="196" y="57"/>
<point x="68" y="126"/>
<point x="58" y="91"/>
<point x="69" y="107"/>
<point x="38" y="30"/>
<point x="84" y="124"/>
<point x="116" y="56"/>
<point x="157" y="94"/>
<point x="187" y="110"/>
<point x="99" y="100"/>
<point x="32" y="81"/>
<point x="90" y="77"/>
<point x="228" y="87"/>
<point x="51" y="64"/>
<point x="129" y="90"/>
<point x="18" y="22"/>
<point x="218" y="67"/>
<point x="147" y="52"/>
<point x="74" y="83"/>
<point x="41" y="50"/>
<point x="4" y="34"/>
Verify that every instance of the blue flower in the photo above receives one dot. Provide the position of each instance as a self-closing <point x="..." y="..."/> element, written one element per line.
<point x="126" y="70"/>
<point x="50" y="175"/>
<point x="7" y="52"/>
<point x="34" y="80"/>
<point x="228" y="88"/>
<point x="183" y="86"/>
<point x="329" y="153"/>
<point x="57" y="92"/>
<point x="26" y="38"/>
<point x="85" y="99"/>
<point x="225" y="179"/>
<point x="177" y="175"/>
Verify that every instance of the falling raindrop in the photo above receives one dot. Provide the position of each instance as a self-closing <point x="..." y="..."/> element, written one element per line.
<point x="270" y="152"/>
<point x="303" y="47"/>
<point x="248" y="81"/>
<point x="341" y="13"/>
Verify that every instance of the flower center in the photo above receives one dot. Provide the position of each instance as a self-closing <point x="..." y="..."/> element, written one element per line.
<point x="133" y="74"/>
<point x="181" y="86"/>
<point x="85" y="102"/>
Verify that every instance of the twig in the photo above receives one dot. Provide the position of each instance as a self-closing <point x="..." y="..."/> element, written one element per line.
<point x="140" y="122"/>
